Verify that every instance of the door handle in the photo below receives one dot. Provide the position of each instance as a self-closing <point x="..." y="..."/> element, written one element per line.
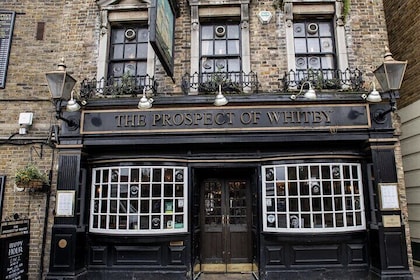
<point x="223" y="219"/>
<point x="228" y="219"/>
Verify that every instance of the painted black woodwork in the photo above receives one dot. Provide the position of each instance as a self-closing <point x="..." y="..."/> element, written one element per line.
<point x="290" y="257"/>
<point x="148" y="257"/>
<point x="376" y="252"/>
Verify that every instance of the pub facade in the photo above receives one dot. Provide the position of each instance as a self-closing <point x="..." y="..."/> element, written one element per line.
<point x="223" y="137"/>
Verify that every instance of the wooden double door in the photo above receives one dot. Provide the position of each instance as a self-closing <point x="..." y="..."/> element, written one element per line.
<point x="225" y="225"/>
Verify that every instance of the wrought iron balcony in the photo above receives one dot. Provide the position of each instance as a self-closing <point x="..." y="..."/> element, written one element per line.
<point x="232" y="82"/>
<point x="122" y="86"/>
<point x="350" y="80"/>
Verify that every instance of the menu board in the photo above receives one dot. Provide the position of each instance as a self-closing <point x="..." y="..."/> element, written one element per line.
<point x="7" y="20"/>
<point x="14" y="250"/>
<point x="389" y="199"/>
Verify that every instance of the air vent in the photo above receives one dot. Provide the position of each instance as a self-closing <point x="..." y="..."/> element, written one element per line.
<point x="312" y="28"/>
<point x="220" y="31"/>
<point x="130" y="34"/>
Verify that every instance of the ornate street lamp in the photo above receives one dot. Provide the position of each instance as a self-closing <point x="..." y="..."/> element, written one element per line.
<point x="60" y="84"/>
<point x="390" y="76"/>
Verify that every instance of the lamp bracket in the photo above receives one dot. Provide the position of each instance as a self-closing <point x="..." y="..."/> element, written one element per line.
<point x="72" y="123"/>
<point x="380" y="115"/>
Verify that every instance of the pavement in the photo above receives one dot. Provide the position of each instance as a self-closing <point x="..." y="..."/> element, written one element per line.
<point x="416" y="273"/>
<point x="249" y="276"/>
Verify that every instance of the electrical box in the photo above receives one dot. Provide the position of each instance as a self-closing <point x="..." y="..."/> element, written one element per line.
<point x="25" y="121"/>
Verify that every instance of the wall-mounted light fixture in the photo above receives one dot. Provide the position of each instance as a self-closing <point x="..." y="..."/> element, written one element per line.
<point x="389" y="75"/>
<point x="61" y="84"/>
<point x="220" y="99"/>
<point x="374" y="96"/>
<point x="309" y="94"/>
<point x="145" y="103"/>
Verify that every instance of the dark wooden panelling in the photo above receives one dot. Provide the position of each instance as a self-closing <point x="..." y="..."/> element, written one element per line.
<point x="274" y="255"/>
<point x="316" y="254"/>
<point x="394" y="249"/>
<point x="356" y="253"/>
<point x="62" y="256"/>
<point x="177" y="255"/>
<point x="98" y="255"/>
<point x="68" y="174"/>
<point x="150" y="255"/>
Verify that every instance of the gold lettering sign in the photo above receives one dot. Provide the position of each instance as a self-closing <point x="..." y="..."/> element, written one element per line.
<point x="199" y="119"/>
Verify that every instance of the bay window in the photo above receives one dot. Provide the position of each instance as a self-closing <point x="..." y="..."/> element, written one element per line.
<point x="316" y="197"/>
<point x="139" y="200"/>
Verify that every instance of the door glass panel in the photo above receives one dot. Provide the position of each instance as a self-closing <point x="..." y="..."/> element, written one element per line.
<point x="213" y="203"/>
<point x="237" y="203"/>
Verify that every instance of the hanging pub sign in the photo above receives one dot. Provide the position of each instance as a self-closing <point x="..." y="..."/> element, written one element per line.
<point x="161" y="30"/>
<point x="7" y="20"/>
<point x="14" y="250"/>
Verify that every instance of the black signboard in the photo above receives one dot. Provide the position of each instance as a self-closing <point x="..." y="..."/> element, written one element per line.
<point x="14" y="250"/>
<point x="7" y="20"/>
<point x="227" y="119"/>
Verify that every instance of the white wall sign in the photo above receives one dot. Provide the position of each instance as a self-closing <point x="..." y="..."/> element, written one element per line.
<point x="388" y="196"/>
<point x="65" y="203"/>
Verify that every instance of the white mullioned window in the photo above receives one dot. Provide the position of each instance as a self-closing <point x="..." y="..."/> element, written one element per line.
<point x="139" y="200"/>
<point x="313" y="197"/>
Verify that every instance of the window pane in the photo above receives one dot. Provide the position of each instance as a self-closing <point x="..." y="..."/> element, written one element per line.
<point x="233" y="31"/>
<point x="299" y="30"/>
<point x="117" y="69"/>
<point x="234" y="66"/>
<point x="313" y="45"/>
<point x="117" y="52"/>
<point x="117" y="36"/>
<point x="314" y="62"/>
<point x="325" y="29"/>
<point x="327" y="62"/>
<point x="206" y="32"/>
<point x="233" y="47"/>
<point x="142" y="51"/>
<point x="206" y="48"/>
<point x="220" y="47"/>
<point x="300" y="45"/>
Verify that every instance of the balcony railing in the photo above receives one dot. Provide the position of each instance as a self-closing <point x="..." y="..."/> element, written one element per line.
<point x="122" y="86"/>
<point x="232" y="82"/>
<point x="350" y="80"/>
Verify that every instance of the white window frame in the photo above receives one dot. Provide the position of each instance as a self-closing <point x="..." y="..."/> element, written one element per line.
<point x="270" y="209"/>
<point x="111" y="12"/>
<point x="122" y="180"/>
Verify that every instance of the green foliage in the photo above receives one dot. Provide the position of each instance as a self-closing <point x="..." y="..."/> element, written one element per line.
<point x="278" y="4"/>
<point x="346" y="8"/>
<point x="29" y="174"/>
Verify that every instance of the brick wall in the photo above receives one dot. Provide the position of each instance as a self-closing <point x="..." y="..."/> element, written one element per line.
<point x="403" y="19"/>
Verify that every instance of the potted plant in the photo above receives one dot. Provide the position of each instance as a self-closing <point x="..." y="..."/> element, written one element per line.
<point x="31" y="177"/>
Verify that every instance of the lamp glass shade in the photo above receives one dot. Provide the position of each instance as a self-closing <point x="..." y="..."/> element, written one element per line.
<point x="310" y="94"/>
<point x="60" y="84"/>
<point x="374" y="96"/>
<point x="220" y="100"/>
<point x="390" y="74"/>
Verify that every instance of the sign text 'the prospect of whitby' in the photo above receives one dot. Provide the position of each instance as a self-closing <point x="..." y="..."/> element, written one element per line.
<point x="225" y="119"/>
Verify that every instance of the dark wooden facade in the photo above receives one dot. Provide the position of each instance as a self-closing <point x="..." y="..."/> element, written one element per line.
<point x="237" y="154"/>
